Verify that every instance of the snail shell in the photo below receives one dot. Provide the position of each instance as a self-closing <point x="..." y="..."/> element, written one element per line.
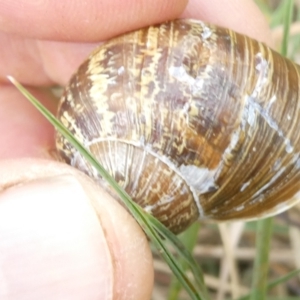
<point x="192" y="120"/>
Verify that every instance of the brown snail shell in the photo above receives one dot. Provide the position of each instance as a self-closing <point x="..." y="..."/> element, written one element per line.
<point x="192" y="120"/>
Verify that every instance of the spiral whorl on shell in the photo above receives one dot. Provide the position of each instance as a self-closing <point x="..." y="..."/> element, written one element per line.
<point x="192" y="120"/>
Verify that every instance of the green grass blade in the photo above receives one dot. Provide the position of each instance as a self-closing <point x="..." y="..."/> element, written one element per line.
<point x="283" y="279"/>
<point x="286" y="25"/>
<point x="261" y="263"/>
<point x="277" y="15"/>
<point x="183" y="253"/>
<point x="189" y="239"/>
<point x="153" y="228"/>
<point x="276" y="282"/>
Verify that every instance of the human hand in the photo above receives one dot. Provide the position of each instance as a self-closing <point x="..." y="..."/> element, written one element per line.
<point x="52" y="245"/>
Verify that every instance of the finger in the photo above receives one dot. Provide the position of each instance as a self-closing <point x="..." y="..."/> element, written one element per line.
<point x="54" y="245"/>
<point x="35" y="62"/>
<point x="242" y="16"/>
<point x="47" y="62"/>
<point x="83" y="20"/>
<point x="24" y="131"/>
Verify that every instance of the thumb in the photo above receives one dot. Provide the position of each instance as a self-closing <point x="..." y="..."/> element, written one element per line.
<point x="55" y="245"/>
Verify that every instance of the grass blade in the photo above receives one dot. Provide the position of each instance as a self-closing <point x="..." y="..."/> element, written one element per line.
<point x="153" y="228"/>
<point x="283" y="279"/>
<point x="261" y="264"/>
<point x="286" y="25"/>
<point x="276" y="282"/>
<point x="189" y="239"/>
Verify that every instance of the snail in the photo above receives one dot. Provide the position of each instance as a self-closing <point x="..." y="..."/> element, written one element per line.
<point x="194" y="121"/>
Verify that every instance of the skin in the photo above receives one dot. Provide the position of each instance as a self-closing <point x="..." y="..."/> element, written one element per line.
<point x="61" y="236"/>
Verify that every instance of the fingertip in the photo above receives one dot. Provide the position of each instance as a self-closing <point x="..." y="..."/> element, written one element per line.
<point x="131" y="255"/>
<point x="51" y="244"/>
<point x="56" y="244"/>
